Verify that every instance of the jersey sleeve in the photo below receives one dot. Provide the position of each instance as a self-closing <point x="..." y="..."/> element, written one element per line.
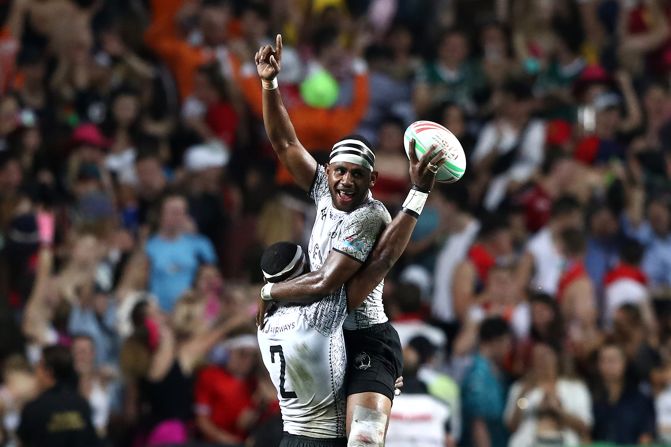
<point x="320" y="186"/>
<point x="202" y="393"/>
<point x="360" y="231"/>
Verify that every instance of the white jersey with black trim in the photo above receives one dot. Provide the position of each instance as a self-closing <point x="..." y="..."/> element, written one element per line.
<point x="352" y="233"/>
<point x="303" y="349"/>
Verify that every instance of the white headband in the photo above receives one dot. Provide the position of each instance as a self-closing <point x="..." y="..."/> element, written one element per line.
<point x="297" y="257"/>
<point x="353" y="151"/>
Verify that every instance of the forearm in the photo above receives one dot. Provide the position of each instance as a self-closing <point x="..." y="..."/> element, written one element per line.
<point x="308" y="287"/>
<point x="277" y="122"/>
<point x="214" y="433"/>
<point x="389" y="248"/>
<point x="576" y="424"/>
<point x="481" y="434"/>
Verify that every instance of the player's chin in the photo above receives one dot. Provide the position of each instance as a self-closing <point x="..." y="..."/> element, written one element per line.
<point x="346" y="203"/>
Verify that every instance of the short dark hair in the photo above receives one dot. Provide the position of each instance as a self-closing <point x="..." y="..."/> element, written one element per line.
<point x="633" y="313"/>
<point x="552" y="158"/>
<point x="573" y="241"/>
<point x="278" y="257"/>
<point x="424" y="347"/>
<point x="58" y="361"/>
<point x="493" y="328"/>
<point x="564" y="205"/>
<point x="455" y="193"/>
<point x="408" y="297"/>
<point x="631" y="251"/>
<point x="83" y="336"/>
<point x="493" y="223"/>
<point x="324" y="37"/>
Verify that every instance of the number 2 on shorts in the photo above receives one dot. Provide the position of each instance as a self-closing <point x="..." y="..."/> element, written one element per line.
<point x="283" y="365"/>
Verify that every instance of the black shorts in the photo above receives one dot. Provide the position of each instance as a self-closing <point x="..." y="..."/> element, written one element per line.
<point x="289" y="440"/>
<point x="374" y="360"/>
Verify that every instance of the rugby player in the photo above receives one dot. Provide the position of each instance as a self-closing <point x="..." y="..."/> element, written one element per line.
<point x="347" y="225"/>
<point x="303" y="345"/>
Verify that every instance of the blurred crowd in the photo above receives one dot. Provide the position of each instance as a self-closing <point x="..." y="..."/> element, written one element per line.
<point x="138" y="189"/>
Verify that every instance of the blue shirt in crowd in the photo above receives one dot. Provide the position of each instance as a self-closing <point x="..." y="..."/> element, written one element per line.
<point x="657" y="259"/>
<point x="624" y="421"/>
<point x="174" y="264"/>
<point x="484" y="397"/>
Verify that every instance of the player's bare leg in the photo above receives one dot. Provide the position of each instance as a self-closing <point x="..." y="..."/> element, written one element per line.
<point x="367" y="419"/>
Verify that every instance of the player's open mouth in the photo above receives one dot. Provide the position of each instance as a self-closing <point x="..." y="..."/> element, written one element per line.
<point x="345" y="196"/>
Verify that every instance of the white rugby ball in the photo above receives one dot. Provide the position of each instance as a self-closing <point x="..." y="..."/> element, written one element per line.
<point x="428" y="133"/>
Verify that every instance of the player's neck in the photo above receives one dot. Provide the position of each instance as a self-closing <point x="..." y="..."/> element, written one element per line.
<point x="169" y="233"/>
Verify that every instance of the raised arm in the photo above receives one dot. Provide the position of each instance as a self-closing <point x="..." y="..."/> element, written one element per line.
<point x="395" y="237"/>
<point x="281" y="133"/>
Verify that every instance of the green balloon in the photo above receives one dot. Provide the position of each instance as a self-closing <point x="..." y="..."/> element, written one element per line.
<point x="320" y="90"/>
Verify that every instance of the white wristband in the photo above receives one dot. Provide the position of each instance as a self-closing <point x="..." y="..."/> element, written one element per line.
<point x="269" y="85"/>
<point x="414" y="203"/>
<point x="265" y="292"/>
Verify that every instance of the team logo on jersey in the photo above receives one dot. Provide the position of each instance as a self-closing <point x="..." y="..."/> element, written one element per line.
<point x="362" y="361"/>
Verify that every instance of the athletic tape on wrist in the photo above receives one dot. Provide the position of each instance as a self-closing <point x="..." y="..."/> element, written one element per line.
<point x="414" y="203"/>
<point x="269" y="85"/>
<point x="265" y="292"/>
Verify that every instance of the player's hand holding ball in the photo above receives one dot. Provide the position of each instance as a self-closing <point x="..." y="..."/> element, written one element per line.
<point x="422" y="172"/>
<point x="421" y="136"/>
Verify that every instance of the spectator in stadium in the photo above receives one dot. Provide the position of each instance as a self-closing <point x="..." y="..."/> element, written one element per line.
<point x="556" y="177"/>
<point x="124" y="131"/>
<point x="494" y="246"/>
<point x="152" y="183"/>
<point x="622" y="413"/>
<point x="496" y="59"/>
<point x="542" y="262"/>
<point x="484" y="387"/>
<point x="172" y="30"/>
<point x="451" y="76"/>
<point x="96" y="384"/>
<point x="511" y="147"/>
<point x="208" y="112"/>
<point x="59" y="416"/>
<point x="159" y="362"/>
<point x="626" y="283"/>
<point x="93" y="314"/>
<point x="638" y="342"/>
<point x="417" y="419"/>
<point x="175" y="252"/>
<point x="229" y="398"/>
<point x="546" y="327"/>
<point x="576" y="292"/>
<point x="662" y="406"/>
<point x="603" y="241"/>
<point x="390" y="161"/>
<point x="463" y="229"/>
<point x="545" y="391"/>
<point x="654" y="233"/>
<point x="438" y="383"/>
<point x="19" y="387"/>
<point x="409" y="321"/>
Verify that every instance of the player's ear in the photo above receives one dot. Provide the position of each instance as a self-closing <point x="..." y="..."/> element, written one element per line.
<point x="373" y="179"/>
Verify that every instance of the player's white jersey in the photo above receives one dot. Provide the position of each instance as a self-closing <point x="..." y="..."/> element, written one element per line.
<point x="352" y="233"/>
<point x="303" y="349"/>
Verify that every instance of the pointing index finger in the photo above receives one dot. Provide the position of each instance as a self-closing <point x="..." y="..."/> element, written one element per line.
<point x="278" y="47"/>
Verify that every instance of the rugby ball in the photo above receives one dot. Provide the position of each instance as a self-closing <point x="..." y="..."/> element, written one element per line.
<point x="428" y="133"/>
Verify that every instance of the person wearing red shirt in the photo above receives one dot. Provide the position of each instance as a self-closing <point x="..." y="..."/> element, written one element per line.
<point x="229" y="401"/>
<point x="536" y="200"/>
